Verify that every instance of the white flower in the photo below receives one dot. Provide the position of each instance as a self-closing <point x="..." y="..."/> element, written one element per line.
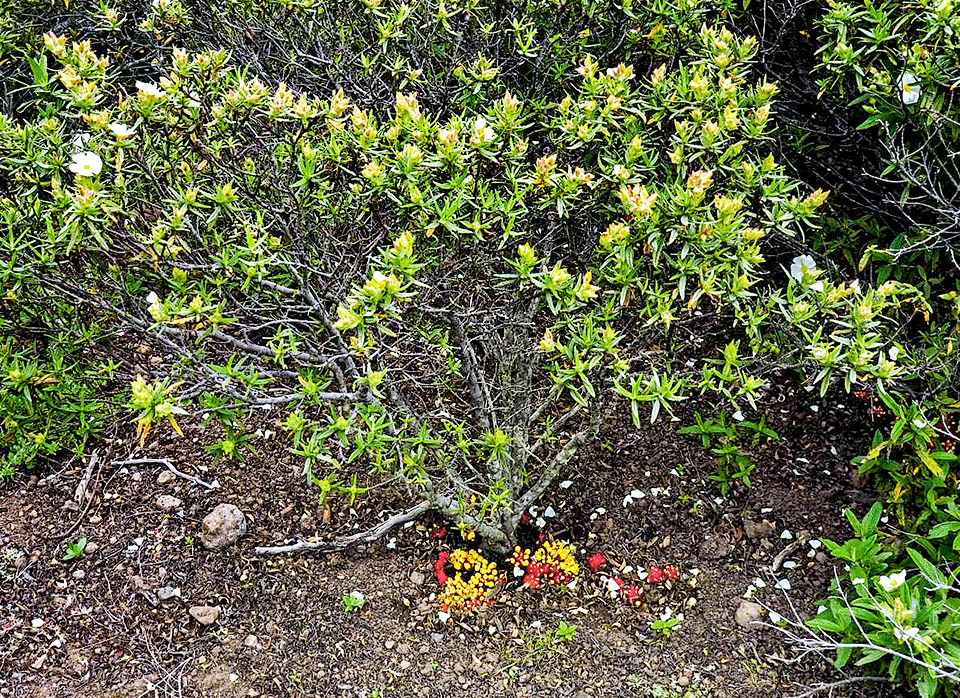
<point x="612" y="585"/>
<point x="894" y="581"/>
<point x="775" y="617"/>
<point x="817" y="286"/>
<point x="86" y="164"/>
<point x="549" y="512"/>
<point x="909" y="88"/>
<point x="481" y="132"/>
<point x="802" y="265"/>
<point x="120" y="130"/>
<point x="150" y="90"/>
<point x="152" y="298"/>
<point x="858" y="580"/>
<point x="358" y="595"/>
<point x="906" y="634"/>
<point x="518" y="571"/>
<point x="443" y="616"/>
<point x="893" y="352"/>
<point x="738" y="415"/>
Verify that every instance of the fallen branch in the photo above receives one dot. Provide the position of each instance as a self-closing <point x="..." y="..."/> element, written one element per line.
<point x="172" y="468"/>
<point x="369" y="536"/>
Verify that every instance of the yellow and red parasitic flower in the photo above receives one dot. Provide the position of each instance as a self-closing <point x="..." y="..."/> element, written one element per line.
<point x="672" y="572"/>
<point x="553" y="563"/>
<point x="472" y="582"/>
<point x="655" y="575"/>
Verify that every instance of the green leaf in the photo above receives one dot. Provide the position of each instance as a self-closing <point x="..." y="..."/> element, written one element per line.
<point x="843" y="656"/>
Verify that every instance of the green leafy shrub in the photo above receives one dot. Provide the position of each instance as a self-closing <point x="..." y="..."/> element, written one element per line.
<point x="895" y="613"/>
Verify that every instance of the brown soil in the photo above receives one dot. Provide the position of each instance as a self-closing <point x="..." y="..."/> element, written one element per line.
<point x="94" y="626"/>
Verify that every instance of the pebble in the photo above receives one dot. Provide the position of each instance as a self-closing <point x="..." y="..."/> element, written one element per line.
<point x="747" y="613"/>
<point x="205" y="615"/>
<point x="250" y="641"/>
<point x="79" y="574"/>
<point x="165" y="477"/>
<point x="223" y="526"/>
<point x="167" y="593"/>
<point x="418" y="578"/>
<point x="166" y="502"/>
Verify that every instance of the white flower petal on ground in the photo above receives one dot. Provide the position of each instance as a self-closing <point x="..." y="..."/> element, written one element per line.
<point x="783" y="584"/>
<point x="566" y="484"/>
<point x="86" y="164"/>
<point x="909" y="88"/>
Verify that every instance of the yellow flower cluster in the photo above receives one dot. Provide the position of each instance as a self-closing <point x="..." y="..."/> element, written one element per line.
<point x="468" y="588"/>
<point x="560" y="556"/>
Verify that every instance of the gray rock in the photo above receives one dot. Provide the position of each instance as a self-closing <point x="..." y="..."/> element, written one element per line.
<point x="166" y="502"/>
<point x="165" y="477"/>
<point x="418" y="578"/>
<point x="167" y="593"/>
<point x="223" y="526"/>
<point x="205" y="615"/>
<point x="748" y="613"/>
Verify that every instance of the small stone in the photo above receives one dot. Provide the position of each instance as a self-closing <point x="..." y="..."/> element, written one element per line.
<point x="748" y="613"/>
<point x="205" y="615"/>
<point x="418" y="578"/>
<point x="166" y="502"/>
<point x="91" y="548"/>
<point x="79" y="574"/>
<point x="404" y="665"/>
<point x="165" y="477"/>
<point x="390" y="644"/>
<point x="167" y="593"/>
<point x="436" y="637"/>
<point x="250" y="641"/>
<point x="223" y="526"/>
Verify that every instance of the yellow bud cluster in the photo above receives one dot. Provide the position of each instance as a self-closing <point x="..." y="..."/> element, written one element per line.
<point x="559" y="555"/>
<point x="474" y="579"/>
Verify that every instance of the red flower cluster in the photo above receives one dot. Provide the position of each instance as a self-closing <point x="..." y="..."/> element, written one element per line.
<point x="438" y="531"/>
<point x="596" y="560"/>
<point x="632" y="595"/>
<point x="438" y="566"/>
<point x="657" y="575"/>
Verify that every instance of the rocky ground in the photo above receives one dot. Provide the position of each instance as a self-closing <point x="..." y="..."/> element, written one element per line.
<point x="160" y="603"/>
